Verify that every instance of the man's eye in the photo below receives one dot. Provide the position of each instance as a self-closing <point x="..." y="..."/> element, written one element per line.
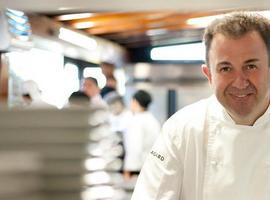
<point x="225" y="69"/>
<point x="251" y="66"/>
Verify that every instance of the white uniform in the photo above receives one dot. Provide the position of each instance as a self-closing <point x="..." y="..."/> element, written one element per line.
<point x="97" y="101"/>
<point x="120" y="123"/>
<point x="30" y="87"/>
<point x="203" y="155"/>
<point x="139" y="138"/>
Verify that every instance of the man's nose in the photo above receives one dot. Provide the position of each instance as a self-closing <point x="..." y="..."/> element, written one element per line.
<point x="241" y="81"/>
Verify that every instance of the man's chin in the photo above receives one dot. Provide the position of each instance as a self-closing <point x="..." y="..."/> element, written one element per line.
<point x="241" y="106"/>
<point x="240" y="111"/>
<point x="242" y="114"/>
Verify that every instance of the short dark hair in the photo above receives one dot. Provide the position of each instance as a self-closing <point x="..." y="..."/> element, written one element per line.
<point x="143" y="98"/>
<point x="78" y="97"/>
<point x="109" y="64"/>
<point x="94" y="80"/>
<point x="237" y="24"/>
<point x="113" y="97"/>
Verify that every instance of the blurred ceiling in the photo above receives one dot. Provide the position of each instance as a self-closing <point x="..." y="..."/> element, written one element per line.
<point x="140" y="28"/>
<point x="56" y="6"/>
<point x="135" y="24"/>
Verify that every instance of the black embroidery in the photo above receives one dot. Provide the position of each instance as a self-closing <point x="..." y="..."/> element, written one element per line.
<point x="160" y="157"/>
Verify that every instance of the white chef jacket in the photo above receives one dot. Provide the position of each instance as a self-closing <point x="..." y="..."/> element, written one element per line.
<point x="98" y="101"/>
<point x="120" y="122"/>
<point x="202" y="154"/>
<point x="139" y="138"/>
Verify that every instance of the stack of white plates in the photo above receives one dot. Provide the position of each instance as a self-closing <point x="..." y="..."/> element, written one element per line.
<point x="79" y="152"/>
<point x="104" y="178"/>
<point x="20" y="176"/>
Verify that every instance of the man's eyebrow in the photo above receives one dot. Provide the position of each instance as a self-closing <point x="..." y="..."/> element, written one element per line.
<point x="224" y="63"/>
<point x="252" y="60"/>
<point x="247" y="61"/>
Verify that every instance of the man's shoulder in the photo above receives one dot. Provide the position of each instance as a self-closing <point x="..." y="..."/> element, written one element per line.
<point x="194" y="110"/>
<point x="193" y="115"/>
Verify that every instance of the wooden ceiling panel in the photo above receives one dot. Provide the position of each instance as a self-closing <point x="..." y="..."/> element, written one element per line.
<point x="137" y="28"/>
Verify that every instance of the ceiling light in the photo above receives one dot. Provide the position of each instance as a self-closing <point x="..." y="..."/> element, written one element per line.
<point x="74" y="16"/>
<point x="65" y="8"/>
<point x="205" y="21"/>
<point x="184" y="52"/>
<point x="16" y="12"/>
<point x="77" y="39"/>
<point x="83" y="25"/>
<point x="154" y="32"/>
<point x="202" y="21"/>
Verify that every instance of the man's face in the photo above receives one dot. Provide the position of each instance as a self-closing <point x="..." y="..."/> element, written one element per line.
<point x="90" y="88"/>
<point x="116" y="108"/>
<point x="107" y="70"/>
<point x="240" y="75"/>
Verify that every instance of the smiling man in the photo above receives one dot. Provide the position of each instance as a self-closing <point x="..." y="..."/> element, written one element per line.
<point x="219" y="148"/>
<point x="238" y="69"/>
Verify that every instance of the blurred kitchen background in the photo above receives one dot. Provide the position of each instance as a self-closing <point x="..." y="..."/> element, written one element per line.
<point x="67" y="154"/>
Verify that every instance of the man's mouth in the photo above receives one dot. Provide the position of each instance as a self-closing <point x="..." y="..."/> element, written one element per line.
<point x="241" y="95"/>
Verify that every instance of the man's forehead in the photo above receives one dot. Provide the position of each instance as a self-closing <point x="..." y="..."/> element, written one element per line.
<point x="87" y="81"/>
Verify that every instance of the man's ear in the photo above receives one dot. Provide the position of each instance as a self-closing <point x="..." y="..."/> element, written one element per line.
<point x="206" y="71"/>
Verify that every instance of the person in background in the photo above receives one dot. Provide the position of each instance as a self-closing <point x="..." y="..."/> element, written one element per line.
<point x="110" y="86"/>
<point x="120" y="116"/>
<point x="143" y="130"/>
<point x="107" y="69"/>
<point x="78" y="99"/>
<point x="219" y="147"/>
<point x="111" y="83"/>
<point x="91" y="89"/>
<point x="31" y="95"/>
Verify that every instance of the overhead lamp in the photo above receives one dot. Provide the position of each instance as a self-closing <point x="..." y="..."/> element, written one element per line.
<point x="154" y="32"/>
<point x="182" y="52"/>
<point x="16" y="12"/>
<point x="77" y="39"/>
<point x="83" y="25"/>
<point x="204" y="21"/>
<point x="74" y="16"/>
